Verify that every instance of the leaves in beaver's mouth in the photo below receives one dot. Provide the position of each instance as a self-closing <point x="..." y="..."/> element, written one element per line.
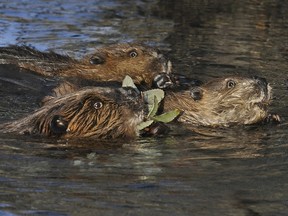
<point x="153" y="98"/>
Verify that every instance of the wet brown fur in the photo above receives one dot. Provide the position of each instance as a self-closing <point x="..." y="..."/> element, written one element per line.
<point x="221" y="103"/>
<point x="102" y="113"/>
<point x="111" y="63"/>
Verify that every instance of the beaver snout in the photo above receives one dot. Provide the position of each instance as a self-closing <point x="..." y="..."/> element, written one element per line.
<point x="162" y="80"/>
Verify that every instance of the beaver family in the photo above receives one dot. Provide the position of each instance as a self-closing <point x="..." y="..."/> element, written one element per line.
<point x="90" y="112"/>
<point x="111" y="113"/>
<point x="110" y="63"/>
<point x="223" y="102"/>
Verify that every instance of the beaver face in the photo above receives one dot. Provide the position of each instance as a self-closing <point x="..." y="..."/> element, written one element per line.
<point x="91" y="112"/>
<point x="226" y="101"/>
<point x="142" y="63"/>
<point x="110" y="63"/>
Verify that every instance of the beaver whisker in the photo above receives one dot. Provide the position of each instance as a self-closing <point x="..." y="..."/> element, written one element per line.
<point x="167" y="67"/>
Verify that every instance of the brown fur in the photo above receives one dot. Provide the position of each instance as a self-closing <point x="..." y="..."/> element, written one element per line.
<point x="112" y="113"/>
<point x="223" y="102"/>
<point x="90" y="112"/>
<point x="111" y="63"/>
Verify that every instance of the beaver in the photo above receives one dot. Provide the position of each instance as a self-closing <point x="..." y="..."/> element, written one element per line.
<point x="97" y="112"/>
<point x="113" y="113"/>
<point x="110" y="63"/>
<point x="223" y="102"/>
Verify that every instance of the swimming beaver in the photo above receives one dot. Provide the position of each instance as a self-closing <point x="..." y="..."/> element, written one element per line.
<point x="111" y="113"/>
<point x="111" y="63"/>
<point x="223" y="102"/>
<point x="90" y="112"/>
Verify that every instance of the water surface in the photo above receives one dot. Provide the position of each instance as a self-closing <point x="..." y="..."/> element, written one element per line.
<point x="237" y="171"/>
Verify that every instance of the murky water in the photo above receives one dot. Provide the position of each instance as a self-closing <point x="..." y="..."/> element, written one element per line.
<point x="238" y="171"/>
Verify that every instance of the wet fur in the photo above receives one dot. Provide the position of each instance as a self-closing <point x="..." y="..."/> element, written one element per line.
<point x="216" y="104"/>
<point x="111" y="63"/>
<point x="76" y="115"/>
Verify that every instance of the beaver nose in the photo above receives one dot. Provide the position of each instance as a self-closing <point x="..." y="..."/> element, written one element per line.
<point x="162" y="81"/>
<point x="261" y="81"/>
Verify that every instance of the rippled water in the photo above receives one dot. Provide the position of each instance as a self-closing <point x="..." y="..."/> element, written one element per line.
<point x="237" y="171"/>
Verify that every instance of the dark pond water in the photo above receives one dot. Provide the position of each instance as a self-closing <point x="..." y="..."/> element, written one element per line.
<point x="238" y="171"/>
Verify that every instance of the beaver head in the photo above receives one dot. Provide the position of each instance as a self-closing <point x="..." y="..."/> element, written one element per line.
<point x="109" y="63"/>
<point x="223" y="102"/>
<point x="142" y="63"/>
<point x="90" y="112"/>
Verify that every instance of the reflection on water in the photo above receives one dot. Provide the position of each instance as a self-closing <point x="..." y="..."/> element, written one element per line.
<point x="236" y="171"/>
<point x="79" y="26"/>
<point x="179" y="174"/>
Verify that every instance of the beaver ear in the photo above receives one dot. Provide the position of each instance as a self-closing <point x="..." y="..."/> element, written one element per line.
<point x="58" y="125"/>
<point x="196" y="93"/>
<point x="96" y="60"/>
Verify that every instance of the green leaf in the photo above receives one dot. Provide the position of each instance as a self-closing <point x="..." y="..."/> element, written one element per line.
<point x="144" y="124"/>
<point x="153" y="108"/>
<point x="128" y="82"/>
<point x="150" y="94"/>
<point x="152" y="97"/>
<point x="167" y="117"/>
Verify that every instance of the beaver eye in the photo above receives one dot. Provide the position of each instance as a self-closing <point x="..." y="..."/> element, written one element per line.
<point x="98" y="105"/>
<point x="231" y="84"/>
<point x="95" y="60"/>
<point x="133" y="54"/>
